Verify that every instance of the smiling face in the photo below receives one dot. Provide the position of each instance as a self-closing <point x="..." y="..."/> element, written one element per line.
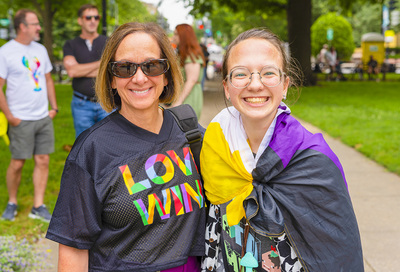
<point x="140" y="92"/>
<point x="255" y="102"/>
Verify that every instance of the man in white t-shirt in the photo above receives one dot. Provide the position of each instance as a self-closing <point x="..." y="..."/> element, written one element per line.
<point x="26" y="67"/>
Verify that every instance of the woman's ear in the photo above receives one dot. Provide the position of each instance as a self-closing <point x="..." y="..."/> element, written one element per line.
<point x="225" y="84"/>
<point x="286" y="86"/>
<point x="165" y="81"/>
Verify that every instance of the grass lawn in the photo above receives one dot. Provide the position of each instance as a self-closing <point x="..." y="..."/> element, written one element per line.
<point x="362" y="114"/>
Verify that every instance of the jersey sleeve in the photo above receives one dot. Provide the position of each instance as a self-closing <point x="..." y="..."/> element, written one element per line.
<point x="76" y="220"/>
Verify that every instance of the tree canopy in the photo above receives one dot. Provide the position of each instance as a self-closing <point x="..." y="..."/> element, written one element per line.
<point x="299" y="17"/>
<point x="59" y="18"/>
<point x="289" y="19"/>
<point x="342" y="35"/>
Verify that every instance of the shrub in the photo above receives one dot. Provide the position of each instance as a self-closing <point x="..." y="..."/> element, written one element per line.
<point x="342" y="35"/>
<point x="20" y="255"/>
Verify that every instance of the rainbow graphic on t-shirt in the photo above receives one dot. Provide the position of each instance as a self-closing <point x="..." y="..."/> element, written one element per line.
<point x="33" y="71"/>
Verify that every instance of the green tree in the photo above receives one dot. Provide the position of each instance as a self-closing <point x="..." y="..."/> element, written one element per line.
<point x="363" y="16"/>
<point x="229" y="24"/>
<point x="365" y="20"/>
<point x="298" y="16"/>
<point x="342" y="35"/>
<point x="59" y="17"/>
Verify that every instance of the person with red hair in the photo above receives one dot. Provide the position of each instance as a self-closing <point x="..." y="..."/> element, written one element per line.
<point x="192" y="61"/>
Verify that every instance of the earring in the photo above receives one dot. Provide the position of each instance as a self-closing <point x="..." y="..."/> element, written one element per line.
<point x="284" y="97"/>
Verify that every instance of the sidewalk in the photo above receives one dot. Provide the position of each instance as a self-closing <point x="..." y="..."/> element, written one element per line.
<point x="374" y="191"/>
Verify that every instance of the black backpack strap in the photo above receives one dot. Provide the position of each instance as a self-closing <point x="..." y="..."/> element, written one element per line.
<point x="186" y="119"/>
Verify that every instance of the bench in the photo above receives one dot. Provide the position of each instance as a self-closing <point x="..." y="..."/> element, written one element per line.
<point x="349" y="69"/>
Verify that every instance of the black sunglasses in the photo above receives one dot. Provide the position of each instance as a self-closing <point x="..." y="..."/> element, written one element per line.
<point x="126" y="69"/>
<point x="89" y="17"/>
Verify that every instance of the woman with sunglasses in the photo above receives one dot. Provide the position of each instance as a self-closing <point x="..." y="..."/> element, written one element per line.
<point x="279" y="200"/>
<point x="192" y="60"/>
<point x="131" y="197"/>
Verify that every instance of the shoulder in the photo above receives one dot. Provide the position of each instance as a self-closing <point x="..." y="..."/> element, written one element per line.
<point x="75" y="40"/>
<point x="191" y="58"/>
<point x="90" y="139"/>
<point x="289" y="130"/>
<point x="101" y="38"/>
<point x="226" y="115"/>
<point x="289" y="127"/>
<point x="38" y="46"/>
<point x="10" y="45"/>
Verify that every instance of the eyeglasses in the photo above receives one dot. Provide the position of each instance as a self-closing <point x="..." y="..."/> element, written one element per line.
<point x="270" y="76"/>
<point x="90" y="17"/>
<point x="34" y="24"/>
<point x="126" y="69"/>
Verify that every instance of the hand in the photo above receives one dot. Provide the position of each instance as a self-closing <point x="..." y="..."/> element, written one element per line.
<point x="14" y="121"/>
<point x="52" y="113"/>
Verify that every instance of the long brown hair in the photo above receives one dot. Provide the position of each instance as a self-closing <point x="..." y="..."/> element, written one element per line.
<point x="110" y="99"/>
<point x="188" y="44"/>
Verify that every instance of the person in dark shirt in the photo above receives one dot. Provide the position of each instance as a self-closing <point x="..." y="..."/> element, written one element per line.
<point x="131" y="197"/>
<point x="81" y="60"/>
<point x="372" y="67"/>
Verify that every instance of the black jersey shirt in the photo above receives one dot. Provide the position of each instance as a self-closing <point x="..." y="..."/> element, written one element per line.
<point x="133" y="198"/>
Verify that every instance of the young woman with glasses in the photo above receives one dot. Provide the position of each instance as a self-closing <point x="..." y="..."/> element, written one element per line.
<point x="131" y="197"/>
<point x="279" y="200"/>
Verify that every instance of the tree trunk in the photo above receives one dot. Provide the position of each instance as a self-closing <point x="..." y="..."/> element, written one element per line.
<point x="299" y="34"/>
<point x="47" y="16"/>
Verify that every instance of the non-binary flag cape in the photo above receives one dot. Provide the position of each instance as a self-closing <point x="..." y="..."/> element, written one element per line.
<point x="295" y="184"/>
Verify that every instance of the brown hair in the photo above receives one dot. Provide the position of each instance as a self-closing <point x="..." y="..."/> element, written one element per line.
<point x="20" y="18"/>
<point x="188" y="44"/>
<point x="109" y="98"/>
<point x="85" y="7"/>
<point x="289" y="66"/>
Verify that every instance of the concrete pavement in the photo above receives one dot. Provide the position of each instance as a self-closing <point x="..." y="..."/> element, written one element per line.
<point x="374" y="191"/>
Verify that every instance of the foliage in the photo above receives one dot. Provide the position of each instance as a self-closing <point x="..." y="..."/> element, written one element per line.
<point x="230" y="23"/>
<point x="321" y="7"/>
<point x="229" y="20"/>
<point x="364" y="16"/>
<point x="20" y="255"/>
<point x="276" y="12"/>
<point x="342" y="38"/>
<point x="365" y="20"/>
<point x="133" y="10"/>
<point x="354" y="113"/>
<point x="64" y="24"/>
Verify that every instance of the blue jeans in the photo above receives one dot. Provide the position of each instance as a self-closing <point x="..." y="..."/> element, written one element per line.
<point x="85" y="114"/>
